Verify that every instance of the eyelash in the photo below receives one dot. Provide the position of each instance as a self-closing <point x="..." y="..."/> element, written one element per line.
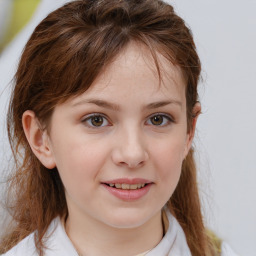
<point x="88" y="119"/>
<point x="166" y="119"/>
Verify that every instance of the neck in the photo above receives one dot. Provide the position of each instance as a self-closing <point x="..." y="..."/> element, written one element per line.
<point x="90" y="237"/>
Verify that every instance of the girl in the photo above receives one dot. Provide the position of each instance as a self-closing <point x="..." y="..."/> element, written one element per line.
<point x="101" y="122"/>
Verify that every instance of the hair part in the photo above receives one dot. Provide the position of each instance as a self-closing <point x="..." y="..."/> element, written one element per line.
<point x="63" y="57"/>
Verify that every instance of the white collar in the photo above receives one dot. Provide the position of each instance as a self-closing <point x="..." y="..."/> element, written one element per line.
<point x="173" y="243"/>
<point x="57" y="242"/>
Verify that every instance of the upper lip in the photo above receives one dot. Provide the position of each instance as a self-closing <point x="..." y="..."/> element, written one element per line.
<point x="129" y="181"/>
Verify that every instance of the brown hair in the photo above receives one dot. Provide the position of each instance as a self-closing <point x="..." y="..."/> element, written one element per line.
<point x="63" y="57"/>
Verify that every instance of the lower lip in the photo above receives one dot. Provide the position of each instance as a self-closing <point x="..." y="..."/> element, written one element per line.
<point x="128" y="195"/>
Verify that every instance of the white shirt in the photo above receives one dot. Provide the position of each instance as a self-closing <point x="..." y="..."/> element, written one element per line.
<point x="58" y="244"/>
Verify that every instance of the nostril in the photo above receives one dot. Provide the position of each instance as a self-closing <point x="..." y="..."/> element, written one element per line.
<point x="131" y="157"/>
<point x="135" y="164"/>
<point x="131" y="164"/>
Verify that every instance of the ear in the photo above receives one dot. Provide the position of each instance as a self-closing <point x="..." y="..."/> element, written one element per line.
<point x="38" y="139"/>
<point x="190" y="135"/>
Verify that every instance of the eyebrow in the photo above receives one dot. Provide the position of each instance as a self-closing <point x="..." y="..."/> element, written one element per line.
<point x="100" y="103"/>
<point x="162" y="104"/>
<point x="116" y="107"/>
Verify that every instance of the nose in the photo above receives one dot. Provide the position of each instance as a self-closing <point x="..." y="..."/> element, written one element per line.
<point x="130" y="150"/>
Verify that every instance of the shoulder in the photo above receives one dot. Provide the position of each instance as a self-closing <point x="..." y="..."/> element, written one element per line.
<point x="56" y="243"/>
<point x="226" y="250"/>
<point x="25" y="247"/>
<point x="221" y="246"/>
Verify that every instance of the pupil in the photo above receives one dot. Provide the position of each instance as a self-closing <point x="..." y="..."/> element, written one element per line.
<point x="157" y="120"/>
<point x="97" y="120"/>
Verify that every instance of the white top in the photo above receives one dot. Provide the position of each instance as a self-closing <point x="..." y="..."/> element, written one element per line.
<point x="58" y="244"/>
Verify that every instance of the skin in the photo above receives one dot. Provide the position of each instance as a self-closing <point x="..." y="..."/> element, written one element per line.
<point x="127" y="143"/>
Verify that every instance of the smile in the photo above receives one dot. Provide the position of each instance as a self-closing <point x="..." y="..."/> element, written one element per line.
<point x="127" y="186"/>
<point x="128" y="189"/>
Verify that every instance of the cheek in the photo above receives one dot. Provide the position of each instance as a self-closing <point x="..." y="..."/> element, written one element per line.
<point x="79" y="163"/>
<point x="168" y="161"/>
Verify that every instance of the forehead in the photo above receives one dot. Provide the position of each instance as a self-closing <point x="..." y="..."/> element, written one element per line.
<point x="134" y="71"/>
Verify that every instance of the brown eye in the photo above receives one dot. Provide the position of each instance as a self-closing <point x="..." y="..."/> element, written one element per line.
<point x="96" y="121"/>
<point x="157" y="120"/>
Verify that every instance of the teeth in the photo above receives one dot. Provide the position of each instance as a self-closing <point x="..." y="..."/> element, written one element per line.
<point x="127" y="186"/>
<point x="134" y="186"/>
<point x="118" y="185"/>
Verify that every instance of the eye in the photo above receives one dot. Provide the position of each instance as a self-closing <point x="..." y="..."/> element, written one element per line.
<point x="96" y="121"/>
<point x="159" y="120"/>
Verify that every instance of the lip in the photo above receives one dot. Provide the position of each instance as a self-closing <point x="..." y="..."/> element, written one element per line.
<point x="128" y="194"/>
<point x="128" y="181"/>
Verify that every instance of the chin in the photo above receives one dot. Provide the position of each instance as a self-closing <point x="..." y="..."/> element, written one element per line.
<point x="128" y="220"/>
<point x="126" y="223"/>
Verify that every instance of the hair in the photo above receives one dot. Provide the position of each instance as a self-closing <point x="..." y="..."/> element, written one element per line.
<point x="63" y="57"/>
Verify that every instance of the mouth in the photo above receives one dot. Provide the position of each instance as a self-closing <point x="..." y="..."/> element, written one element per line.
<point x="125" y="186"/>
<point x="128" y="189"/>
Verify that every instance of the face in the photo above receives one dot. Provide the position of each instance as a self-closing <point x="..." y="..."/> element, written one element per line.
<point x="119" y="146"/>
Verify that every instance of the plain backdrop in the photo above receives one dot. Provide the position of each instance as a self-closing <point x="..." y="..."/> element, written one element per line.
<point x="225" y="35"/>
